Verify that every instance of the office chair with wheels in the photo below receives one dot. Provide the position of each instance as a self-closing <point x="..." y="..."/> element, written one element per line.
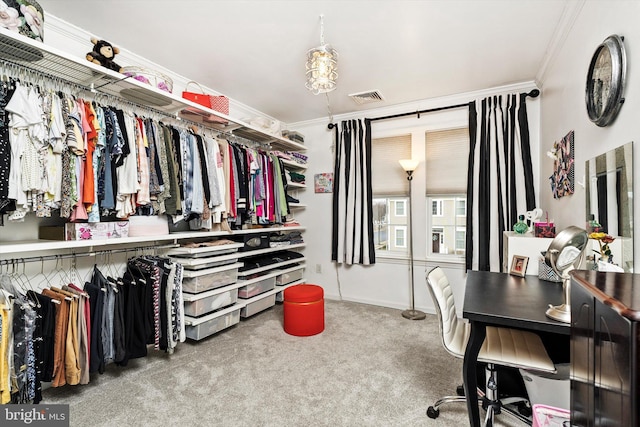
<point x="502" y="347"/>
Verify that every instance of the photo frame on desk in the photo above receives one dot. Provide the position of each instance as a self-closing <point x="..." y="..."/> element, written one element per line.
<point x="519" y="265"/>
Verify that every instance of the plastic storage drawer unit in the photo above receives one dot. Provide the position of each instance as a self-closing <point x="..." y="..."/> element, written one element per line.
<point x="289" y="276"/>
<point x="210" y="278"/>
<point x="205" y="302"/>
<point x="201" y="327"/>
<point x="257" y="304"/>
<point x="256" y="288"/>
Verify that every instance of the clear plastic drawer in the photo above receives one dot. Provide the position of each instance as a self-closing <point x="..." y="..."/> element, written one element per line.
<point x="202" y="327"/>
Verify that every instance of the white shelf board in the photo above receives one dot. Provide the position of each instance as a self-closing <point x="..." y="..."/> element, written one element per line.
<point x="42" y="58"/>
<point x="271" y="267"/>
<point x="268" y="250"/>
<point x="291" y="164"/>
<point x="11" y="248"/>
<point x="296" y="185"/>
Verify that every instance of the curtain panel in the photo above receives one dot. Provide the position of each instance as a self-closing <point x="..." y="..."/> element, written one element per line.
<point x="500" y="176"/>
<point x="352" y="236"/>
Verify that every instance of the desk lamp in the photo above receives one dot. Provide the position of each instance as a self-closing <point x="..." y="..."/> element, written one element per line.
<point x="565" y="253"/>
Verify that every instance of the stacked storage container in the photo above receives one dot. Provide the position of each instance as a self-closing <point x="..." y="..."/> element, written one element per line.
<point x="210" y="289"/>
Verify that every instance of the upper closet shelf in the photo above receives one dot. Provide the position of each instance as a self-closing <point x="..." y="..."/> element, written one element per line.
<point x="11" y="249"/>
<point x="56" y="64"/>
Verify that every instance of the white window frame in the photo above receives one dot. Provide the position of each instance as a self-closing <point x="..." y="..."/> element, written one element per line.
<point x="404" y="207"/>
<point x="464" y="201"/>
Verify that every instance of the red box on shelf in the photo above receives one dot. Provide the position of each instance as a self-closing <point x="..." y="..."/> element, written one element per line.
<point x="544" y="229"/>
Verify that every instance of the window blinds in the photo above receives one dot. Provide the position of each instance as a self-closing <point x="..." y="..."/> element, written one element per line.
<point x="387" y="176"/>
<point x="447" y="154"/>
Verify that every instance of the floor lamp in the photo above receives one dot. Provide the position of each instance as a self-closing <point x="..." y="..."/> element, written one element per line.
<point x="412" y="314"/>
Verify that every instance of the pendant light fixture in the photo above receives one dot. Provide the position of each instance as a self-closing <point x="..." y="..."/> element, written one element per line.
<point x="322" y="66"/>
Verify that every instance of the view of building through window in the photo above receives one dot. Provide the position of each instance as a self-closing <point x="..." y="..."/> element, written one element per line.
<point x="448" y="225"/>
<point x="390" y="224"/>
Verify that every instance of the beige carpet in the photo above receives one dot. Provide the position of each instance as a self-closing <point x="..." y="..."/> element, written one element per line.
<point x="370" y="367"/>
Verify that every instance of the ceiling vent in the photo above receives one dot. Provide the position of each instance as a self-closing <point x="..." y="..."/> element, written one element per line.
<point x="367" y="97"/>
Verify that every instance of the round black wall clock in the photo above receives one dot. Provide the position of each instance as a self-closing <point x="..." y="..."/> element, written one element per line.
<point x="605" y="81"/>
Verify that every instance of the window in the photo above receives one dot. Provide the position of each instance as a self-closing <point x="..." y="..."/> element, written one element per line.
<point x="436" y="207"/>
<point x="390" y="189"/>
<point x="461" y="240"/>
<point x="440" y="144"/>
<point x="387" y="224"/>
<point x="448" y="230"/>
<point x="401" y="236"/>
<point x="446" y="153"/>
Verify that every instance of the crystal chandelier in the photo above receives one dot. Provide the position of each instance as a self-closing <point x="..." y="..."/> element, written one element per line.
<point x="322" y="66"/>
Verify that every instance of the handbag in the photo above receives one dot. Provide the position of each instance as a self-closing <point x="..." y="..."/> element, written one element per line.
<point x="216" y="103"/>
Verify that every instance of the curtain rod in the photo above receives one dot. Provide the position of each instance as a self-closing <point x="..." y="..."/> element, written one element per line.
<point x="533" y="94"/>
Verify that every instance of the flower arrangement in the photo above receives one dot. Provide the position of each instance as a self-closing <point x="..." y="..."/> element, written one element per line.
<point x="603" y="241"/>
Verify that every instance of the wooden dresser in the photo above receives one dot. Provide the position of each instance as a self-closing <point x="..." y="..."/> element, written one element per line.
<point x="605" y="310"/>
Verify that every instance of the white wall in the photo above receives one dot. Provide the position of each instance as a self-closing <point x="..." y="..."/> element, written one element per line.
<point x="563" y="105"/>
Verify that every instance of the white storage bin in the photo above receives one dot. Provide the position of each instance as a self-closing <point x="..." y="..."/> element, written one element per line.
<point x="209" y="278"/>
<point x="205" y="302"/>
<point x="257" y="304"/>
<point x="202" y="327"/>
<point x="289" y="276"/>
<point x="257" y="287"/>
<point x="549" y="389"/>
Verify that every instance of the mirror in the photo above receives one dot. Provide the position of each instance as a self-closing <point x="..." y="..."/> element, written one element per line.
<point x="565" y="253"/>
<point x="609" y="198"/>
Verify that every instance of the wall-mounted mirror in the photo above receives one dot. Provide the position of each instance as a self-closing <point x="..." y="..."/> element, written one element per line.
<point x="609" y="195"/>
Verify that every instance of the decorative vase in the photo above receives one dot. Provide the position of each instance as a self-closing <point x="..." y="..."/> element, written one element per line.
<point x="520" y="227"/>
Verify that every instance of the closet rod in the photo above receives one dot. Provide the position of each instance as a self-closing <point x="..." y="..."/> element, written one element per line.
<point x="82" y="255"/>
<point x="93" y="92"/>
<point x="533" y="94"/>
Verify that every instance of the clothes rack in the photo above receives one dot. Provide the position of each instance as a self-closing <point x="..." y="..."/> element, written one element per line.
<point x="46" y="80"/>
<point x="18" y="261"/>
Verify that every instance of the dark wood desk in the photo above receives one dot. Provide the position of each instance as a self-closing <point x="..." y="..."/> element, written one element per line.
<point x="500" y="299"/>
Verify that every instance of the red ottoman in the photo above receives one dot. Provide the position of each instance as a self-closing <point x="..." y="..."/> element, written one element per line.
<point x="304" y="310"/>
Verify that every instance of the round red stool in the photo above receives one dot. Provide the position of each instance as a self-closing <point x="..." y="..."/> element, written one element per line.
<point x="304" y="310"/>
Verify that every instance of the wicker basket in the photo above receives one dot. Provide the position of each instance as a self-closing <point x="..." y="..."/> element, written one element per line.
<point x="150" y="77"/>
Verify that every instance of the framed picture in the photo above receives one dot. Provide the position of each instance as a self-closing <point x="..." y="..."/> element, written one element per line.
<point x="519" y="265"/>
<point x="323" y="182"/>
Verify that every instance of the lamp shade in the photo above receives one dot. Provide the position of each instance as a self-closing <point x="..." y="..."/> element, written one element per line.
<point x="409" y="165"/>
<point x="322" y="66"/>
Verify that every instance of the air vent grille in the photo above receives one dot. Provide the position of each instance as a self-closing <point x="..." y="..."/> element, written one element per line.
<point x="367" y="97"/>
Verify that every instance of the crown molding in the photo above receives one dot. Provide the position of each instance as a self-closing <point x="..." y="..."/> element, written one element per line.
<point x="567" y="20"/>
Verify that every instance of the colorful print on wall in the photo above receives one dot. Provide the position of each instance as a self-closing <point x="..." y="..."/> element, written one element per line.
<point x="562" y="180"/>
<point x="323" y="182"/>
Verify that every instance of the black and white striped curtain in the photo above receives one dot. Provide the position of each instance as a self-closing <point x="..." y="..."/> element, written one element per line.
<point x="500" y="176"/>
<point x="352" y="239"/>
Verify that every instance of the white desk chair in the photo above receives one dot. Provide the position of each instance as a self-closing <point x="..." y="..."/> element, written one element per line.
<point x="502" y="346"/>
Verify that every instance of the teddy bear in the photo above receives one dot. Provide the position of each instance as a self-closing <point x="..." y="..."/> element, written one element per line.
<point x="103" y="53"/>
